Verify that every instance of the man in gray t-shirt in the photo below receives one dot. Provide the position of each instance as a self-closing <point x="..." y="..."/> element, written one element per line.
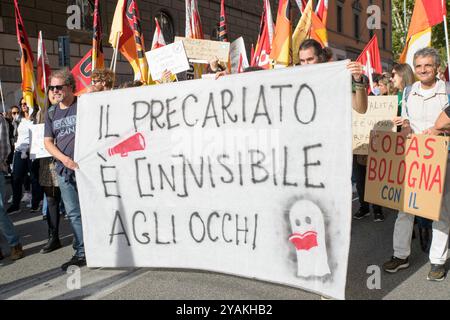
<point x="60" y="125"/>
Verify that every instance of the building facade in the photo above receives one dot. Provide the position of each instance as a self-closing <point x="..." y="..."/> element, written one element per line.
<point x="67" y="29"/>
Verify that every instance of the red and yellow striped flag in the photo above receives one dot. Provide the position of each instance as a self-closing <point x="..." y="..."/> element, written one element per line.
<point x="26" y="59"/>
<point x="126" y="35"/>
<point x="98" y="61"/>
<point x="223" y="35"/>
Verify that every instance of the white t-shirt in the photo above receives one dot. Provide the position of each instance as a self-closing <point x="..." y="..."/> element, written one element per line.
<point x="23" y="135"/>
<point x="426" y="93"/>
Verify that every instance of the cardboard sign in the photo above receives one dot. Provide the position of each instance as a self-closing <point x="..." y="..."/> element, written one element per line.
<point x="202" y="51"/>
<point x="37" y="149"/>
<point x="380" y="112"/>
<point x="222" y="175"/>
<point x="407" y="174"/>
<point x="238" y="55"/>
<point x="171" y="57"/>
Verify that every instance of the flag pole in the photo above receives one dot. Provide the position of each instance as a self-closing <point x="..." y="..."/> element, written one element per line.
<point x="115" y="53"/>
<point x="3" y="100"/>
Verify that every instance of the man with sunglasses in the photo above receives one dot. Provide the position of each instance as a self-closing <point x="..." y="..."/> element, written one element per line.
<point x="60" y="143"/>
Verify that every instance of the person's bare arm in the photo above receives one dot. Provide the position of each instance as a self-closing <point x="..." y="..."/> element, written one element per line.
<point x="359" y="98"/>
<point x="56" y="153"/>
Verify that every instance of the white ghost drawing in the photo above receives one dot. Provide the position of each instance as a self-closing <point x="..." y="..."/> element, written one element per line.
<point x="308" y="237"/>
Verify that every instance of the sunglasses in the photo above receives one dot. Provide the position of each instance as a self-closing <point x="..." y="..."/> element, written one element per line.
<point x="59" y="88"/>
<point x="14" y="113"/>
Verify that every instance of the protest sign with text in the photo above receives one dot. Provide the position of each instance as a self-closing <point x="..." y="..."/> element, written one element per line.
<point x="223" y="175"/>
<point x="37" y="149"/>
<point x="407" y="174"/>
<point x="380" y="112"/>
<point x="202" y="51"/>
<point x="171" y="57"/>
<point x="238" y="56"/>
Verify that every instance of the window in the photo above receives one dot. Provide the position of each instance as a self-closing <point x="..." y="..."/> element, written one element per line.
<point x="383" y="5"/>
<point x="356" y="25"/>
<point x="166" y="24"/>
<point x="383" y="30"/>
<point x="370" y="33"/>
<point x="339" y="18"/>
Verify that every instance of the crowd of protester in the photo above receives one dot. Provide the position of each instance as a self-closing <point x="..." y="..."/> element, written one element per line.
<point x="423" y="107"/>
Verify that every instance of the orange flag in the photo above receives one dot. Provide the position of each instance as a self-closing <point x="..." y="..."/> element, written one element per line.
<point x="426" y="14"/>
<point x="281" y="52"/>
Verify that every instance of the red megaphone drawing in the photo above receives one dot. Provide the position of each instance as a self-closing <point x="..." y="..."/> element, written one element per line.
<point x="134" y="143"/>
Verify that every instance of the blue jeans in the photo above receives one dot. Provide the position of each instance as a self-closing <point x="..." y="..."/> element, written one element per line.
<point x="69" y="195"/>
<point x="21" y="169"/>
<point x="6" y="226"/>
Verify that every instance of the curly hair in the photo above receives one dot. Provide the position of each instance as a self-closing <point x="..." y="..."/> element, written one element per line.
<point x="106" y="75"/>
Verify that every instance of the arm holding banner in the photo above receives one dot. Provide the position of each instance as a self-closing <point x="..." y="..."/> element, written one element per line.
<point x="359" y="98"/>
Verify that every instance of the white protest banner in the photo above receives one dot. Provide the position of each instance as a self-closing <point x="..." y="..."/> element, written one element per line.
<point x="246" y="175"/>
<point x="238" y="55"/>
<point x="37" y="149"/>
<point x="202" y="51"/>
<point x="171" y="57"/>
<point x="380" y="112"/>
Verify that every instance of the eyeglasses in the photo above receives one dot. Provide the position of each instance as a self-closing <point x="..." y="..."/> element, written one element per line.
<point x="13" y="113"/>
<point x="59" y="88"/>
<point x="96" y="81"/>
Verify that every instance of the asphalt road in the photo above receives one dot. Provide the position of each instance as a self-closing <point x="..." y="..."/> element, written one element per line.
<point x="39" y="276"/>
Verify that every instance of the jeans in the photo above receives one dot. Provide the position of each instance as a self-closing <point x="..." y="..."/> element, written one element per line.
<point x="69" y="195"/>
<point x="21" y="168"/>
<point x="6" y="226"/>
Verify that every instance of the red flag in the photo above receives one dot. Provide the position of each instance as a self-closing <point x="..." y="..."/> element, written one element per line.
<point x="322" y="11"/>
<point x="82" y="73"/>
<point x="223" y="36"/>
<point x="264" y="44"/>
<point x="370" y="59"/>
<point x="98" y="61"/>
<point x="193" y="27"/>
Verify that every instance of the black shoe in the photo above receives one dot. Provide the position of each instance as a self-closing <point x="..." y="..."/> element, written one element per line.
<point x="74" y="261"/>
<point x="37" y="209"/>
<point x="1" y="255"/>
<point x="378" y="217"/>
<point x="424" y="236"/>
<point x="52" y="245"/>
<point x="44" y="217"/>
<point x="395" y="264"/>
<point x="13" y="209"/>
<point x="361" y="213"/>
